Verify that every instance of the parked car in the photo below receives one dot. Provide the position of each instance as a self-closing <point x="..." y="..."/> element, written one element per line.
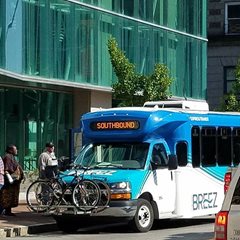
<point x="227" y="220"/>
<point x="228" y="177"/>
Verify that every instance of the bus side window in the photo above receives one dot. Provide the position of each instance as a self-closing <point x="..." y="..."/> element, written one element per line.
<point x="236" y="151"/>
<point x="224" y="146"/>
<point x="236" y="146"/>
<point x="159" y="155"/>
<point x="208" y="144"/>
<point x="181" y="151"/>
<point x="196" y="146"/>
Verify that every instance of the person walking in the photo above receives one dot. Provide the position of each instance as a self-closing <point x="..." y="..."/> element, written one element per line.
<point x="9" y="197"/>
<point x="48" y="163"/>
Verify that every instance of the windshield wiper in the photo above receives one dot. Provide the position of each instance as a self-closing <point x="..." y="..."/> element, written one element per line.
<point x="108" y="164"/>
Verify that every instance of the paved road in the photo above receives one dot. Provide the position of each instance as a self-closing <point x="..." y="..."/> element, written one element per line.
<point x="162" y="230"/>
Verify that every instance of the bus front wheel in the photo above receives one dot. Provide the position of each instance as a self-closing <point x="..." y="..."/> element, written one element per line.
<point x="143" y="219"/>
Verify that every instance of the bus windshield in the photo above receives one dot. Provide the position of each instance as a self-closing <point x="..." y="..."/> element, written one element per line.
<point x="113" y="155"/>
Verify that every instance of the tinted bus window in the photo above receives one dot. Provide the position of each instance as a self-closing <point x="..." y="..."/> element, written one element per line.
<point x="181" y="150"/>
<point x="195" y="146"/>
<point x="224" y="146"/>
<point x="159" y="155"/>
<point x="208" y="143"/>
<point x="236" y="146"/>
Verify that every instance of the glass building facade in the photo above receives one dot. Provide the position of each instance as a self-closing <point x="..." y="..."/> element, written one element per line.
<point x="64" y="43"/>
<point x="31" y="118"/>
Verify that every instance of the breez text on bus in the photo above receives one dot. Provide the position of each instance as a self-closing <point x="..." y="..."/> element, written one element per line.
<point x="204" y="200"/>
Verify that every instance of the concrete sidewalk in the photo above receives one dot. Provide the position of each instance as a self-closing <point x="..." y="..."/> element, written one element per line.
<point x="25" y="222"/>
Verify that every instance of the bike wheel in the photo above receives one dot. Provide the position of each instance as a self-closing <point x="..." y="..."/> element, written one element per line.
<point x="86" y="195"/>
<point x="57" y="192"/>
<point x="105" y="194"/>
<point x="40" y="196"/>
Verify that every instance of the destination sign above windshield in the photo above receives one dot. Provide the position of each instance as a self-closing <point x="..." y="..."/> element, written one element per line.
<point x="115" y="125"/>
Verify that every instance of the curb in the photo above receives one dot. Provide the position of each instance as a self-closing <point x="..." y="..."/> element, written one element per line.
<point x="41" y="228"/>
<point x="21" y="231"/>
<point x="13" y="231"/>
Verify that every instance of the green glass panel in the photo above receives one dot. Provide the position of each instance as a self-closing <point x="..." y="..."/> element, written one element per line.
<point x="30" y="118"/>
<point x="182" y="15"/>
<point x="2" y="33"/>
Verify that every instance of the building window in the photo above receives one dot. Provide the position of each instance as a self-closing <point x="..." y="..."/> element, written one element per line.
<point x="232" y="18"/>
<point x="229" y="78"/>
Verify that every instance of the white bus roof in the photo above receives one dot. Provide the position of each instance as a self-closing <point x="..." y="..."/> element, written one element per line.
<point x="183" y="104"/>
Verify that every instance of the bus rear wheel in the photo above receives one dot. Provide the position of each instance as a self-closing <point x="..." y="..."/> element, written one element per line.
<point x="143" y="219"/>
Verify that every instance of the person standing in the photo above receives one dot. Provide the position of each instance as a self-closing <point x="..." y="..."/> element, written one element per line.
<point x="1" y="180"/>
<point x="48" y="163"/>
<point x="1" y="173"/>
<point x="10" y="191"/>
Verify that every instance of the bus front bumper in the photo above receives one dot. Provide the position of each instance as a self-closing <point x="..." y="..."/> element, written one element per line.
<point x="121" y="209"/>
<point x="118" y="209"/>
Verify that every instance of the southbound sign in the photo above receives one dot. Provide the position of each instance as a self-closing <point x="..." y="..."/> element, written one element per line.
<point x="115" y="125"/>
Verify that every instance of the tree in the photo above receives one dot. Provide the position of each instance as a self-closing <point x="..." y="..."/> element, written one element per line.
<point x="231" y="100"/>
<point x="132" y="88"/>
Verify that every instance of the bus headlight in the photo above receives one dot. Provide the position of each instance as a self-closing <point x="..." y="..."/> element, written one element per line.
<point x="120" y="191"/>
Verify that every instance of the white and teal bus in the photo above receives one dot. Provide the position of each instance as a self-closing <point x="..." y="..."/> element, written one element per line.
<point x="158" y="163"/>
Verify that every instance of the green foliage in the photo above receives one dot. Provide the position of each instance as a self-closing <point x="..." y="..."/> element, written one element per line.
<point x="231" y="101"/>
<point x="156" y="86"/>
<point x="133" y="89"/>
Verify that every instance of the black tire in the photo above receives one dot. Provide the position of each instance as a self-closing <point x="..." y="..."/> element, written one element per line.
<point x="40" y="196"/>
<point x="86" y="195"/>
<point x="143" y="219"/>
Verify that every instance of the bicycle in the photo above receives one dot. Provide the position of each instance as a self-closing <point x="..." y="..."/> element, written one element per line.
<point x="83" y="194"/>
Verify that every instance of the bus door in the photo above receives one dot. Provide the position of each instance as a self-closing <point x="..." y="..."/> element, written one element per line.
<point x="164" y="180"/>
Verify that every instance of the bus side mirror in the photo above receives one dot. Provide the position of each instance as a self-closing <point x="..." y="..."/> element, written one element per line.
<point x="172" y="162"/>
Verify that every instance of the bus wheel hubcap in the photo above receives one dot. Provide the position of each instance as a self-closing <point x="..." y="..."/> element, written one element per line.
<point x="144" y="216"/>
